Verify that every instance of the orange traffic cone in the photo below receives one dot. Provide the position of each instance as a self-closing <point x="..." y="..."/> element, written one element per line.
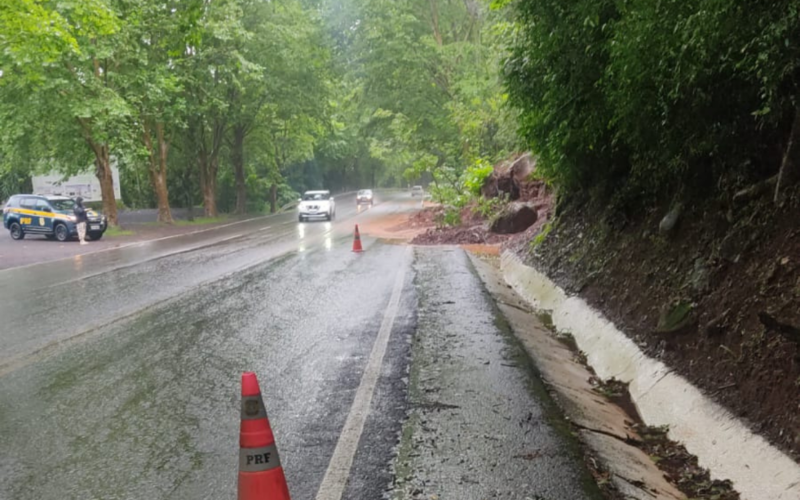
<point x="357" y="241"/>
<point x="260" y="472"/>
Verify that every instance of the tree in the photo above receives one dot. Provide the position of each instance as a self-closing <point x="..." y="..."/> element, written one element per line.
<point x="416" y="79"/>
<point x="159" y="38"/>
<point x="280" y="92"/>
<point x="648" y="100"/>
<point x="57" y="60"/>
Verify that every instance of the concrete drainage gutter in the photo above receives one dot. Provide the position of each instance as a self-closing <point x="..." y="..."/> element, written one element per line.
<point x="722" y="443"/>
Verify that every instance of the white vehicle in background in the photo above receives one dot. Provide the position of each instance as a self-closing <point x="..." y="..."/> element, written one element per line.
<point x="417" y="191"/>
<point x="315" y="204"/>
<point x="364" y="196"/>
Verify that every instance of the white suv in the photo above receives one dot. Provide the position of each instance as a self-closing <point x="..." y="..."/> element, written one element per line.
<point x="316" y="204"/>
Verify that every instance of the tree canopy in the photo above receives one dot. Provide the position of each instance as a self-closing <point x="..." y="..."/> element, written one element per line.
<point x="649" y="99"/>
<point x="239" y="104"/>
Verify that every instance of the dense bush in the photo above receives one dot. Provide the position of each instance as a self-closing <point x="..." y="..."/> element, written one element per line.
<point x="641" y="100"/>
<point x="476" y="175"/>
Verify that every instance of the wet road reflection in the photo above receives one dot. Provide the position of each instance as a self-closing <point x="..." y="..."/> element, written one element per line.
<point x="119" y="370"/>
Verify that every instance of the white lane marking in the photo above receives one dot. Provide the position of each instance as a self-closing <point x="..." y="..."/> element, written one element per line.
<point x="335" y="480"/>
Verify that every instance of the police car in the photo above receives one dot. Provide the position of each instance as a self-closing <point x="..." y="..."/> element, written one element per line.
<point x="50" y="216"/>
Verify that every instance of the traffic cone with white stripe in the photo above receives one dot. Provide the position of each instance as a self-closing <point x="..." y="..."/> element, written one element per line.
<point x="357" y="241"/>
<point x="260" y="473"/>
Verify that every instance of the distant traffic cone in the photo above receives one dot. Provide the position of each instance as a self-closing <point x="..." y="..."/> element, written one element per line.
<point x="357" y="241"/>
<point x="260" y="472"/>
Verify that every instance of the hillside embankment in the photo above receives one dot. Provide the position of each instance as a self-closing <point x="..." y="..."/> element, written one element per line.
<point x="713" y="293"/>
<point x="710" y="289"/>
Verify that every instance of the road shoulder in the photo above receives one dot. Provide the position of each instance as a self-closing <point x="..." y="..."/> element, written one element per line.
<point x="481" y="425"/>
<point x="605" y="428"/>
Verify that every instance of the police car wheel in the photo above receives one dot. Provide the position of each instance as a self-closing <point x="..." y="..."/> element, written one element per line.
<point x="16" y="231"/>
<point x="94" y="236"/>
<point x="62" y="233"/>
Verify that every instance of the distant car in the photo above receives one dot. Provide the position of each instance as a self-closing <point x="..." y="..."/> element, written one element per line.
<point x="316" y="204"/>
<point x="364" y="197"/>
<point x="417" y="191"/>
<point x="49" y="216"/>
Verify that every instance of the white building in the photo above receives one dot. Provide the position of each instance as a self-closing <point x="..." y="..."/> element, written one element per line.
<point x="84" y="185"/>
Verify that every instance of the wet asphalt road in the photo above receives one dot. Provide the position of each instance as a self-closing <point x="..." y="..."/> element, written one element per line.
<point x="47" y="305"/>
<point x="119" y="371"/>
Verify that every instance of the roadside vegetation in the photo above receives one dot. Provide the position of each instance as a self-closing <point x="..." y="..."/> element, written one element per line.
<point x="643" y="102"/>
<point x="117" y="231"/>
<point x="669" y="131"/>
<point x="238" y="105"/>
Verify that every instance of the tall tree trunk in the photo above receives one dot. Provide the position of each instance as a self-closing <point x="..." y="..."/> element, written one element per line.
<point x="208" y="161"/>
<point x="203" y="168"/>
<point x="102" y="170"/>
<point x="273" y="198"/>
<point x="158" y="170"/>
<point x="208" y="185"/>
<point x="162" y="192"/>
<point x="237" y="158"/>
<point x="790" y="166"/>
<point x="159" y="181"/>
<point x="102" y="163"/>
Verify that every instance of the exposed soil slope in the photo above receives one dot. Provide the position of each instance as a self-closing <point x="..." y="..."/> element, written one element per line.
<point x="718" y="300"/>
<point x="474" y="229"/>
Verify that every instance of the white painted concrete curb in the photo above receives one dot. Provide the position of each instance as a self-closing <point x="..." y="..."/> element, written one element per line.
<point x="722" y="443"/>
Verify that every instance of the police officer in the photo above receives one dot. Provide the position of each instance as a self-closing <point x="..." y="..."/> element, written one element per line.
<point x="80" y="219"/>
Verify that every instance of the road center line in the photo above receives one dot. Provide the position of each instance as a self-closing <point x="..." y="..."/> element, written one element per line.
<point x="335" y="480"/>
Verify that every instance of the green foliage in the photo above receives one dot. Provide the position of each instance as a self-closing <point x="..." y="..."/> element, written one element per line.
<point x="421" y="92"/>
<point x="162" y="86"/>
<point x="112" y="232"/>
<point x="192" y="98"/>
<point x="286" y="194"/>
<point x="448" y="195"/>
<point x="14" y="181"/>
<point x="645" y="99"/>
<point x="450" y="217"/>
<point x="488" y="208"/>
<point x="539" y="238"/>
<point x="554" y="76"/>
<point x="476" y="175"/>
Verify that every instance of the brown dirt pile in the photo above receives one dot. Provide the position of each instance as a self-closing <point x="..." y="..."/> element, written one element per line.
<point x="471" y="231"/>
<point x="474" y="228"/>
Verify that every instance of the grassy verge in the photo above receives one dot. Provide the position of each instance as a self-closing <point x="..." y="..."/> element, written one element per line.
<point x="198" y="221"/>
<point x="116" y="231"/>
